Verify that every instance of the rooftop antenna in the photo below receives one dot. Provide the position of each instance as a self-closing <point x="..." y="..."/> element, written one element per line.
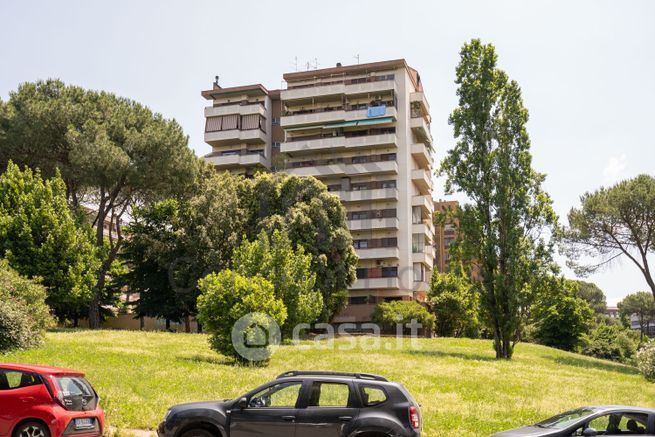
<point x="216" y="80"/>
<point x="295" y="62"/>
<point x="357" y="57"/>
<point x="316" y="64"/>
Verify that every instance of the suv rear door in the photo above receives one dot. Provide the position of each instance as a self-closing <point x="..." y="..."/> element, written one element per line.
<point x="328" y="409"/>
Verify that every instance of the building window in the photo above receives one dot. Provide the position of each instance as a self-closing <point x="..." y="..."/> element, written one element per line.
<point x="275" y="121"/>
<point x="418" y="243"/>
<point x="417" y="216"/>
<point x="358" y="300"/>
<point x="419" y="272"/>
<point x="360" y="244"/>
<point x="389" y="272"/>
<point x="388" y="184"/>
<point x="362" y="273"/>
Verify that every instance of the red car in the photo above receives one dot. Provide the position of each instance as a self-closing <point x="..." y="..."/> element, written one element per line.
<point x="38" y="401"/>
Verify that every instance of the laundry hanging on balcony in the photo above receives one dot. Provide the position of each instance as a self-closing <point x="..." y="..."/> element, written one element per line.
<point x="376" y="111"/>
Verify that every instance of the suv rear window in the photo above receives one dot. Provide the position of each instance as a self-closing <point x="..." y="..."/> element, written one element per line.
<point x="372" y="395"/>
<point x="76" y="393"/>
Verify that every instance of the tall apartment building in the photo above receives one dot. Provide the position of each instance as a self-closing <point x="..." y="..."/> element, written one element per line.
<point x="364" y="130"/>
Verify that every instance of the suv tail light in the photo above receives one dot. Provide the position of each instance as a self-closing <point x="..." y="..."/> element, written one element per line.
<point x="414" y="417"/>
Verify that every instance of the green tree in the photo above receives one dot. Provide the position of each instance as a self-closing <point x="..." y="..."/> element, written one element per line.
<point x="112" y="153"/>
<point x="560" y="317"/>
<point x="593" y="295"/>
<point x="313" y="219"/>
<point x="614" y="222"/>
<point x="226" y="297"/>
<point x="174" y="243"/>
<point x="40" y="237"/>
<point x="455" y="303"/>
<point x="24" y="315"/>
<point x="507" y="224"/>
<point x="404" y="312"/>
<point x="288" y="269"/>
<point x="640" y="304"/>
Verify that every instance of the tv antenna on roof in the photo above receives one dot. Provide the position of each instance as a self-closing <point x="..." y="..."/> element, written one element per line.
<point x="295" y="62"/>
<point x="312" y="64"/>
<point x="357" y="57"/>
<point x="216" y="80"/>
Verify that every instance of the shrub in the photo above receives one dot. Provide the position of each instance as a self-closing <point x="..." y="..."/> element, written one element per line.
<point x="389" y="314"/>
<point x="455" y="304"/>
<point x="646" y="361"/>
<point x="228" y="296"/>
<point x="612" y="342"/>
<point x="288" y="269"/>
<point x="560" y="318"/>
<point x="24" y="315"/>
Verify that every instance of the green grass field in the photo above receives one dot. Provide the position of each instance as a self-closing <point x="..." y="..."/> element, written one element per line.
<point x="462" y="390"/>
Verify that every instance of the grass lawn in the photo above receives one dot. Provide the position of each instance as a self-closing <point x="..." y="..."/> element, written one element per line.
<point x="462" y="390"/>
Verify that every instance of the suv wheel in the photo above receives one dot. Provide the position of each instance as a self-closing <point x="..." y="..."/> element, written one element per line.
<point x="32" y="429"/>
<point x="197" y="432"/>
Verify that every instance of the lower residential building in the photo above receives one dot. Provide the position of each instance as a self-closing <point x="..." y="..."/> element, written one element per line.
<point x="363" y="130"/>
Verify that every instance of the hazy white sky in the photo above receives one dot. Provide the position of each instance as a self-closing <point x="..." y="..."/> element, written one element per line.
<point x="587" y="68"/>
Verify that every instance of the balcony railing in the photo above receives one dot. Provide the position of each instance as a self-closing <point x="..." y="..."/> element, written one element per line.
<point x="351" y="160"/>
<point x="344" y="81"/>
<point x="345" y="134"/>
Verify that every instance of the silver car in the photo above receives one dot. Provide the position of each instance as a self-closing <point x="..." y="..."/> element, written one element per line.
<point x="607" y="420"/>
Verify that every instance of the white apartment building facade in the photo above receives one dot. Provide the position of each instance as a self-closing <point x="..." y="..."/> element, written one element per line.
<point x="364" y="131"/>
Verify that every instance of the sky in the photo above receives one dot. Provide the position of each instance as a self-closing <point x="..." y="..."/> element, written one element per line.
<point x="586" y="68"/>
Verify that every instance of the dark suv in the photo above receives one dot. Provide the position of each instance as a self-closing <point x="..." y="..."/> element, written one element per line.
<point x="316" y="404"/>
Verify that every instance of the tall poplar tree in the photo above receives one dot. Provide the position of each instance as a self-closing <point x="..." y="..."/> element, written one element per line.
<point x="508" y="223"/>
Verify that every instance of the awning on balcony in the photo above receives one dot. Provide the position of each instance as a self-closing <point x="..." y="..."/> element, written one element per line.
<point x="374" y="121"/>
<point x="341" y="124"/>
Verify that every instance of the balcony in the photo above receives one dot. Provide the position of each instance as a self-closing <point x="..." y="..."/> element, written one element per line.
<point x="426" y="203"/>
<point x="335" y="89"/>
<point x="235" y="136"/>
<point x="378" y="253"/>
<point x="318" y="118"/>
<point x="421" y="128"/>
<point x="230" y="161"/>
<point x="421" y="154"/>
<point x="338" y="143"/>
<point x="423" y="181"/>
<point x="423" y="257"/>
<point x="341" y="168"/>
<point x="375" y="284"/>
<point x="374" y="223"/>
<point x="419" y="97"/>
<point x="425" y="228"/>
<point x="365" y="195"/>
<point x="236" y="108"/>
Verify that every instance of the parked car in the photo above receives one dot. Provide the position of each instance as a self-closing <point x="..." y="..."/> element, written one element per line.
<point x="316" y="404"/>
<point x="38" y="401"/>
<point x="609" y="420"/>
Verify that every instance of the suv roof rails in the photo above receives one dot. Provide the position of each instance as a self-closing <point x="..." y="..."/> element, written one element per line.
<point x="324" y="373"/>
